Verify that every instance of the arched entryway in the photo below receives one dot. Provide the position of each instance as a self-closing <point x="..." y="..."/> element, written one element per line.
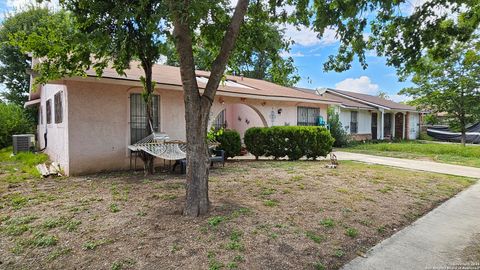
<point x="239" y="117"/>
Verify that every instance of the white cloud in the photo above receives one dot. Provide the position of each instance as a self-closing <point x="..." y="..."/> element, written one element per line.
<point x="162" y="60"/>
<point x="410" y="6"/>
<point x="362" y="85"/>
<point x="285" y="54"/>
<point x="288" y="9"/>
<point x="399" y="98"/>
<point x="19" y="5"/>
<point x="305" y="36"/>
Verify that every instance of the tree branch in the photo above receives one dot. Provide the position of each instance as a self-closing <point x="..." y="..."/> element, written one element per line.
<point x="183" y="43"/>
<point x="228" y="43"/>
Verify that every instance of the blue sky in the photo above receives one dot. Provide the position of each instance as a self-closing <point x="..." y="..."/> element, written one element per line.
<point x="309" y="54"/>
<point x="309" y="59"/>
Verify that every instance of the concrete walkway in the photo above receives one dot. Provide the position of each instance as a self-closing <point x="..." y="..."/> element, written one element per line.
<point x="438" y="239"/>
<point x="413" y="164"/>
<point x="434" y="241"/>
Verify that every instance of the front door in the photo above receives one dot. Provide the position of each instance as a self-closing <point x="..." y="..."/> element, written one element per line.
<point x="374" y="126"/>
<point x="387" y="126"/>
<point x="398" y="126"/>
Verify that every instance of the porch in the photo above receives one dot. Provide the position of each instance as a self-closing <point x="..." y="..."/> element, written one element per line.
<point x="389" y="125"/>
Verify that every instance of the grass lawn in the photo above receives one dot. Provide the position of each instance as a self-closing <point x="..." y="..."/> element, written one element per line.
<point x="446" y="153"/>
<point x="264" y="215"/>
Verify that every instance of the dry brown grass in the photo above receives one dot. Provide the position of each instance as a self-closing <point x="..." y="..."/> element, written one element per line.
<point x="265" y="215"/>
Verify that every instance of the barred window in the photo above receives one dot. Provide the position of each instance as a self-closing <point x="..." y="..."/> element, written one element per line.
<point x="58" y="108"/>
<point x="49" y="111"/>
<point x="307" y="116"/>
<point x="220" y="121"/>
<point x="138" y="117"/>
<point x="353" y="122"/>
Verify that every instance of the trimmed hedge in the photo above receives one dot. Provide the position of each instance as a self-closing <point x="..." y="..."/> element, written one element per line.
<point x="229" y="142"/>
<point x="293" y="142"/>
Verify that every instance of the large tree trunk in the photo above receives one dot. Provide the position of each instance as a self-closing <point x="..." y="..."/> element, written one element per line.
<point x="197" y="105"/>
<point x="197" y="202"/>
<point x="464" y="134"/>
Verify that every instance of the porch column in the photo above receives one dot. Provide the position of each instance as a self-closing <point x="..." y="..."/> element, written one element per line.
<point x="393" y="125"/>
<point x="407" y="126"/>
<point x="382" y="123"/>
<point x="403" y="129"/>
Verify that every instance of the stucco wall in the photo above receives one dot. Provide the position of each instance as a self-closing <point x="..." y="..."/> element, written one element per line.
<point x="100" y="129"/>
<point x="241" y="117"/>
<point x="98" y="116"/>
<point x="57" y="134"/>
<point x="98" y="126"/>
<point x="264" y="109"/>
<point x="364" y="119"/>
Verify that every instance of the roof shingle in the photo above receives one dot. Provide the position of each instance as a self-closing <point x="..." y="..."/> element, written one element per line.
<point x="171" y="76"/>
<point x="373" y="99"/>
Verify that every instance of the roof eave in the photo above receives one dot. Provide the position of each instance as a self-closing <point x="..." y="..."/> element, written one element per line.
<point x="333" y="92"/>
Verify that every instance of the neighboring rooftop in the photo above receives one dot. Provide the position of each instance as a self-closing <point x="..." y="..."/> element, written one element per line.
<point x="348" y="103"/>
<point x="357" y="100"/>
<point x="369" y="99"/>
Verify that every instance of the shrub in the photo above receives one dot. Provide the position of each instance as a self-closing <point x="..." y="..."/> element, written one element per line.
<point x="291" y="141"/>
<point x="256" y="141"/>
<point x="424" y="136"/>
<point x="229" y="142"/>
<point x="14" y="120"/>
<point x="336" y="129"/>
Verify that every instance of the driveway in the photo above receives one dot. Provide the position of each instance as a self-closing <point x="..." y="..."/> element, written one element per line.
<point x="438" y="240"/>
<point x="413" y="164"/>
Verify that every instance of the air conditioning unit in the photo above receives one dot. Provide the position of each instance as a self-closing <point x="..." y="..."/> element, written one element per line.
<point x="23" y="142"/>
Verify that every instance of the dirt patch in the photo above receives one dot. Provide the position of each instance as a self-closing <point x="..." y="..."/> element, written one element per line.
<point x="265" y="215"/>
<point x="471" y="253"/>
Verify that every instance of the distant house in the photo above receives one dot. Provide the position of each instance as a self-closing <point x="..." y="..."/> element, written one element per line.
<point x="367" y="117"/>
<point x="88" y="122"/>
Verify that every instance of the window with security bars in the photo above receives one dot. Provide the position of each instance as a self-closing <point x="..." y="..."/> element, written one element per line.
<point x="353" y="122"/>
<point x="138" y="117"/>
<point x="58" y="107"/>
<point x="48" y="107"/>
<point x="307" y="116"/>
<point x="220" y="122"/>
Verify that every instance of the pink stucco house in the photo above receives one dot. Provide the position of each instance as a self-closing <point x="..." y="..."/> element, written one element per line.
<point x="89" y="121"/>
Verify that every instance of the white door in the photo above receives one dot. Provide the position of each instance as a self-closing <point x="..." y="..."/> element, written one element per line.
<point x="413" y="126"/>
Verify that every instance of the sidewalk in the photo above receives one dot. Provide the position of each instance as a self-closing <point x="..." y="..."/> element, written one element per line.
<point x="435" y="240"/>
<point x="420" y="165"/>
<point x="439" y="238"/>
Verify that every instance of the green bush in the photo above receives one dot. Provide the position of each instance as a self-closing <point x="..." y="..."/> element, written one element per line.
<point x="229" y="142"/>
<point x="13" y="120"/>
<point x="424" y="136"/>
<point x="293" y="142"/>
<point x="257" y="140"/>
<point x="336" y="129"/>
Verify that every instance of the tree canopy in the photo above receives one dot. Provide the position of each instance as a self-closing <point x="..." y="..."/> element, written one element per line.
<point x="259" y="52"/>
<point x="449" y="84"/>
<point x="125" y="30"/>
<point x="15" y="62"/>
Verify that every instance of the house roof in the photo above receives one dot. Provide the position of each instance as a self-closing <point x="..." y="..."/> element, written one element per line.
<point x="169" y="75"/>
<point x="371" y="100"/>
<point x="347" y="103"/>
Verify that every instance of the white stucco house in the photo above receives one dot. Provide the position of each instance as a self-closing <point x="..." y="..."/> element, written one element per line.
<point x="87" y="123"/>
<point x="367" y="117"/>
